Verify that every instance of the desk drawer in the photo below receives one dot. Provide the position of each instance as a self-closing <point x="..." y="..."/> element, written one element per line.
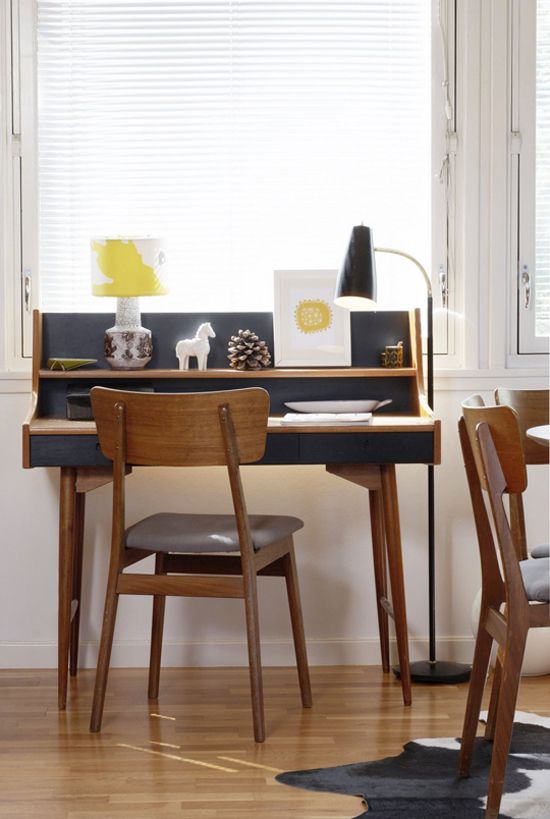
<point x="307" y="448"/>
<point x="376" y="448"/>
<point x="66" y="450"/>
<point x="282" y="449"/>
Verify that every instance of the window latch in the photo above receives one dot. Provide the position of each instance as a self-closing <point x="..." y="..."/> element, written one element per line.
<point x="443" y="286"/>
<point x="27" y="288"/>
<point x="526" y="282"/>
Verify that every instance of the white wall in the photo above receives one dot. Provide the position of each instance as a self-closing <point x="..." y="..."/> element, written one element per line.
<point x="333" y="552"/>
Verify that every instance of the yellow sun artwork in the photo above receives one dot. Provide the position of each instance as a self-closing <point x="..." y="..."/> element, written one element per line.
<point x="313" y="315"/>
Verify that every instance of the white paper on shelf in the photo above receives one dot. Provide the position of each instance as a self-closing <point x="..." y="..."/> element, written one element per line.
<point x="313" y="418"/>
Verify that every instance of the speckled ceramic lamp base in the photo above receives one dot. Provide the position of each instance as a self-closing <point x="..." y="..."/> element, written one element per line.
<point x="128" y="345"/>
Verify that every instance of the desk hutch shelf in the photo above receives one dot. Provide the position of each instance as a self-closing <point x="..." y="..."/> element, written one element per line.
<point x="219" y="372"/>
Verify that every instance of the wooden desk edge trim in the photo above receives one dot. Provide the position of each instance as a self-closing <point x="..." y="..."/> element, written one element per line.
<point x="437" y="442"/>
<point x="60" y="426"/>
<point x="32" y="414"/>
<point x="27" y="430"/>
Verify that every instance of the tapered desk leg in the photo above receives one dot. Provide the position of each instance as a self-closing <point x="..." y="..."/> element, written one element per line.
<point x="75" y="482"/>
<point x="380" y="575"/>
<point x="397" y="582"/>
<point x="67" y="531"/>
<point x="80" y="508"/>
<point x="380" y="481"/>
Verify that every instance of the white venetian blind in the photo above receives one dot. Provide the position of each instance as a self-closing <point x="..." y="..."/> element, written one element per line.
<point x="542" y="235"/>
<point x="251" y="134"/>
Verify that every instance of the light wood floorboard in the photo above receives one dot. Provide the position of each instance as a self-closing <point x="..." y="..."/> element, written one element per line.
<point x="197" y="758"/>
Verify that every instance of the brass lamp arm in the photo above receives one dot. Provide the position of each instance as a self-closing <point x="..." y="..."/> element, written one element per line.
<point x="410" y="258"/>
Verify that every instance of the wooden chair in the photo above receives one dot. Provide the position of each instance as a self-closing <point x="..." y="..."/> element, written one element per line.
<point x="531" y="407"/>
<point x="524" y="454"/>
<point x="533" y="410"/>
<point x="491" y="445"/>
<point x="212" y="555"/>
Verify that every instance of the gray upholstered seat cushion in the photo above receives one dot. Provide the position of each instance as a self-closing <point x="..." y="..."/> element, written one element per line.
<point x="173" y="532"/>
<point x="542" y="550"/>
<point x="536" y="579"/>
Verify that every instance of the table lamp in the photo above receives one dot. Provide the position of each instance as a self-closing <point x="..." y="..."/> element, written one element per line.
<point x="356" y="290"/>
<point x="127" y="268"/>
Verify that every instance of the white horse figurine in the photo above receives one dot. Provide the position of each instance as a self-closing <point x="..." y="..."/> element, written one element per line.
<point x="198" y="346"/>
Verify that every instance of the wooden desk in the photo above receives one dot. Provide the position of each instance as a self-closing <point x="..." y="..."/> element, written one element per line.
<point x="365" y="455"/>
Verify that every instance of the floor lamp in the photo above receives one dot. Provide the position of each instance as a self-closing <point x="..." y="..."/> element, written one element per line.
<point x="356" y="290"/>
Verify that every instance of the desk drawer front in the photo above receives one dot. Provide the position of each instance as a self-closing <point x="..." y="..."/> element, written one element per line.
<point x="308" y="448"/>
<point x="83" y="450"/>
<point x="66" y="450"/>
<point x="375" y="448"/>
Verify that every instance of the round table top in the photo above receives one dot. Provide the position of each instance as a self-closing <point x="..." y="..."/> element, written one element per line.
<point x="540" y="434"/>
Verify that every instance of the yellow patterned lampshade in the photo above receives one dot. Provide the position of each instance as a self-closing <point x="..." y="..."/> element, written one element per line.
<point x="127" y="267"/>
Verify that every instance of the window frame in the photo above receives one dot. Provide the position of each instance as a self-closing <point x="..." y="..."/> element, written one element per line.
<point x="18" y="205"/>
<point x="444" y="146"/>
<point x="24" y="242"/>
<point x="524" y="341"/>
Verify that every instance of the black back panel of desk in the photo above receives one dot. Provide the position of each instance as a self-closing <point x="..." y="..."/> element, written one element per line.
<point x="80" y="335"/>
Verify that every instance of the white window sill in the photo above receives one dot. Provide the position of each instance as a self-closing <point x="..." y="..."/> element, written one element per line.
<point x="457" y="379"/>
<point x="15" y="382"/>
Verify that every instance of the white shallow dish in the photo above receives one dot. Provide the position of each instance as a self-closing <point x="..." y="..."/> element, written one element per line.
<point x="336" y="406"/>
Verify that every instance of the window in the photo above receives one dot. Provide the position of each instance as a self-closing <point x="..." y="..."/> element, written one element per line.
<point x="531" y="124"/>
<point x="252" y="135"/>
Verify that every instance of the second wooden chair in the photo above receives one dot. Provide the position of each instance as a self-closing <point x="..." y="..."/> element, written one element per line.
<point x="491" y="445"/>
<point x="531" y="407"/>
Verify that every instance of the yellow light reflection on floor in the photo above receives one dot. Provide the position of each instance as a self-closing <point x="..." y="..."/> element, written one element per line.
<point x="250" y="764"/>
<point x="177" y="758"/>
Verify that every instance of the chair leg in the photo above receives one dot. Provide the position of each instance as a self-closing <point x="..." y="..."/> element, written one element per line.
<point x="293" y="592"/>
<point x="80" y="507"/>
<point x="380" y="574"/>
<point x="511" y="671"/>
<point x="159" y="604"/>
<point x="105" y="646"/>
<point x="254" y="654"/>
<point x="482" y="654"/>
<point x="493" y="703"/>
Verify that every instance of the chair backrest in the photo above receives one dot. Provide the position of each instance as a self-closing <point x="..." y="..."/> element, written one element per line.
<point x="181" y="429"/>
<point x="515" y="595"/>
<point x="533" y="411"/>
<point x="504" y="424"/>
<point x="486" y="472"/>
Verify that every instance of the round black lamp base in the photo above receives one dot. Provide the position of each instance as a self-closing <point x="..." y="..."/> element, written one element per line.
<point x="439" y="672"/>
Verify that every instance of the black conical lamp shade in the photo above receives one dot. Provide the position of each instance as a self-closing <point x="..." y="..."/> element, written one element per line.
<point x="356" y="284"/>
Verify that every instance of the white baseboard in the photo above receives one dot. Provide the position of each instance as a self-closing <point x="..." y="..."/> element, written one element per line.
<point x="135" y="654"/>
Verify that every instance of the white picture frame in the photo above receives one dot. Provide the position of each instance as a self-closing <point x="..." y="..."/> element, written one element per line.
<point x="309" y="330"/>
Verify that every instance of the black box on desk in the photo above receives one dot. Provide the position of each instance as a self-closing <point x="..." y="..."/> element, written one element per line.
<point x="79" y="404"/>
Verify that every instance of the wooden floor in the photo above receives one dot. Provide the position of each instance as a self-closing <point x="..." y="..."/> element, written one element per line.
<point x="192" y="755"/>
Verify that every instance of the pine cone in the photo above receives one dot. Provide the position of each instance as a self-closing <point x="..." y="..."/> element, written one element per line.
<point x="247" y="352"/>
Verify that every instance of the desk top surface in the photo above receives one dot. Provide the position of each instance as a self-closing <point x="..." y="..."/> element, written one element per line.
<point x="382" y="423"/>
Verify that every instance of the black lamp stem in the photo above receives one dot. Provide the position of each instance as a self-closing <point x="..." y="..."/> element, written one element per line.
<point x="357" y="279"/>
<point x="434" y="671"/>
<point x="431" y="490"/>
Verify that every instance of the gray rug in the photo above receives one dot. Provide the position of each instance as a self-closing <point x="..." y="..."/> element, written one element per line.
<point x="422" y="783"/>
